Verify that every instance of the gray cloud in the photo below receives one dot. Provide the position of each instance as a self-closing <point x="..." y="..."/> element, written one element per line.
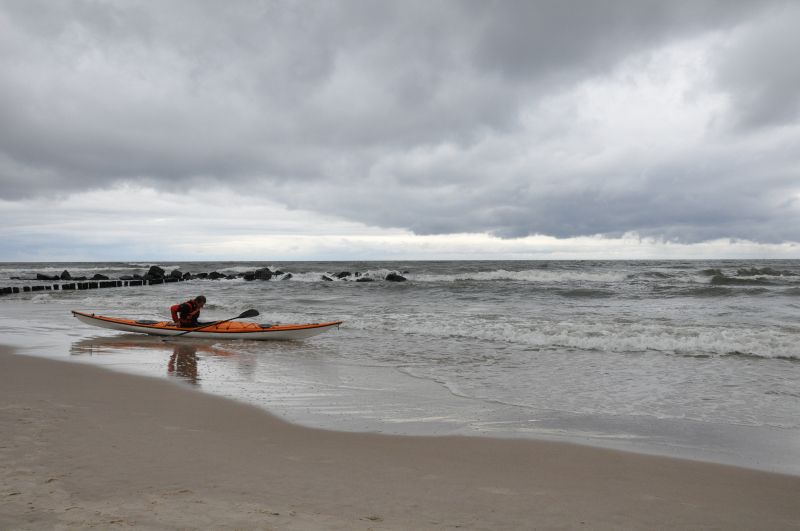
<point x="346" y="108"/>
<point x="758" y="69"/>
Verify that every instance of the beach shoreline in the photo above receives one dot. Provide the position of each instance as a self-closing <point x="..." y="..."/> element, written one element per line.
<point x="87" y="447"/>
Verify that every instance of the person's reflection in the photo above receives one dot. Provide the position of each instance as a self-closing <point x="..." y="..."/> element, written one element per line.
<point x="183" y="363"/>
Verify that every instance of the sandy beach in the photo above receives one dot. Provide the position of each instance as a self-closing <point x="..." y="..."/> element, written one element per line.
<point x="83" y="447"/>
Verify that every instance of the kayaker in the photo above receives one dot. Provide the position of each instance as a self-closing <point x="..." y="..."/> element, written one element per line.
<point x="186" y="313"/>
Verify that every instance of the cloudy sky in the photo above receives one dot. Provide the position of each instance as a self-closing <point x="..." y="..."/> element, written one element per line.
<point x="412" y="129"/>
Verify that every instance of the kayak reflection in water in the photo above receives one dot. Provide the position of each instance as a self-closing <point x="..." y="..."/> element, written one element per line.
<point x="183" y="363"/>
<point x="187" y="313"/>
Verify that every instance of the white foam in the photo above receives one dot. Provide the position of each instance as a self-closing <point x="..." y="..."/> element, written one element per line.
<point x="683" y="340"/>
<point x="528" y="275"/>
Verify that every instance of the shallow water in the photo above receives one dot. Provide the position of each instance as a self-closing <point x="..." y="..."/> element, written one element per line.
<point x="690" y="358"/>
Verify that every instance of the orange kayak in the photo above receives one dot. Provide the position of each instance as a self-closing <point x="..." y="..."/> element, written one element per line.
<point x="227" y="330"/>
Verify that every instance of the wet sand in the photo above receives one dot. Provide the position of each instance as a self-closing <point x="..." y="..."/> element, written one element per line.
<point x="81" y="447"/>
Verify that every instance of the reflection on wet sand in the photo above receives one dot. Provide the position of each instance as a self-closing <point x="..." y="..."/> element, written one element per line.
<point x="108" y="344"/>
<point x="282" y="375"/>
<point x="182" y="362"/>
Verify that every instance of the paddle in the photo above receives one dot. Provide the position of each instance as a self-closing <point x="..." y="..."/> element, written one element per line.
<point x="243" y="315"/>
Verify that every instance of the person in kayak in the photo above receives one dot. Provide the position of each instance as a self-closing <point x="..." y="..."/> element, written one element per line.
<point x="186" y="313"/>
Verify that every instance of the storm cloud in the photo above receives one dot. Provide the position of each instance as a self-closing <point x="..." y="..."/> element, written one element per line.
<point x="672" y="120"/>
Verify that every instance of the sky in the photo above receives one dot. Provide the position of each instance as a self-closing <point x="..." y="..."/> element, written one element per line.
<point x="356" y="130"/>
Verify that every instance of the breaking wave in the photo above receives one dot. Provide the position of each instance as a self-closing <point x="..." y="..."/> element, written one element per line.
<point x="529" y="275"/>
<point x="622" y="337"/>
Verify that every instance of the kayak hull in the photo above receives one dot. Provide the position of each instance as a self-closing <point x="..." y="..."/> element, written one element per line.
<point x="229" y="330"/>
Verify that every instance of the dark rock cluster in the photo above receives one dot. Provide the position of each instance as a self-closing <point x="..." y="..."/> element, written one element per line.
<point x="753" y="276"/>
<point x="66" y="276"/>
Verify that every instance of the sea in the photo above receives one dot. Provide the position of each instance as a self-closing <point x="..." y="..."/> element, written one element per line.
<point x="694" y="359"/>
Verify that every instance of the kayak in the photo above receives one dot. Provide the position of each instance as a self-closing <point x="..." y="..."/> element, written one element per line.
<point x="227" y="330"/>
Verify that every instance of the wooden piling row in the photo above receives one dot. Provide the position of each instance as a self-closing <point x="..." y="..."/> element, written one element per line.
<point x="92" y="284"/>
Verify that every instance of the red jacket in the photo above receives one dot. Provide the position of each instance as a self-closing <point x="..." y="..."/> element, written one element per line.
<point x="185" y="313"/>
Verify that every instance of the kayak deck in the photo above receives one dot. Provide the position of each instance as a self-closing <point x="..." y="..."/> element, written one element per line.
<point x="227" y="330"/>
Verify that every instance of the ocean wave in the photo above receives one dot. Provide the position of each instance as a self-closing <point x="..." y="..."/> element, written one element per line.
<point x="684" y="341"/>
<point x="765" y="271"/>
<point x="652" y="274"/>
<point x="783" y="393"/>
<point x="722" y="280"/>
<point x="52" y="270"/>
<point x="707" y="291"/>
<point x="533" y="275"/>
<point x="331" y="276"/>
<point x="711" y="291"/>
<point x="718" y="291"/>
<point x="528" y="275"/>
<point x="236" y="269"/>
<point x="752" y="355"/>
<point x="586" y="293"/>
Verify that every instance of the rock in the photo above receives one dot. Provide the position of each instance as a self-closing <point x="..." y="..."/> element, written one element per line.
<point x="126" y="277"/>
<point x="154" y="272"/>
<point x="287" y="276"/>
<point x="343" y="274"/>
<point x="176" y="274"/>
<point x="263" y="274"/>
<point x="98" y="276"/>
<point x="187" y="276"/>
<point x="202" y="275"/>
<point x="215" y="275"/>
<point x="394" y="277"/>
<point x="65" y="275"/>
<point x="326" y="278"/>
<point x="40" y="276"/>
<point x="259" y="274"/>
<point x="365" y="279"/>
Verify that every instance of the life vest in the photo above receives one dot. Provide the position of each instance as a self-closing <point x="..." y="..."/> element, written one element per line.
<point x="185" y="313"/>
